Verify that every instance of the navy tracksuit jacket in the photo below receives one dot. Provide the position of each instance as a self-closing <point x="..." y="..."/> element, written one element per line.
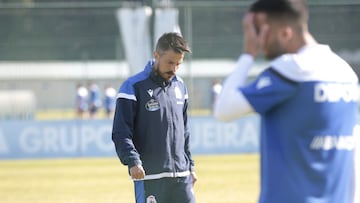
<point x="150" y="125"/>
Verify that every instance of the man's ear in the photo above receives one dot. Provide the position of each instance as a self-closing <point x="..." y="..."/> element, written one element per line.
<point x="156" y="55"/>
<point x="287" y="33"/>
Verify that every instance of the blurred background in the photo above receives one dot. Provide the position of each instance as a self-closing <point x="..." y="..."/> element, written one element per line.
<point x="48" y="48"/>
<point x="61" y="58"/>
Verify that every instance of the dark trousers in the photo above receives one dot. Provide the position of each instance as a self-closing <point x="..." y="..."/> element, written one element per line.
<point x="165" y="190"/>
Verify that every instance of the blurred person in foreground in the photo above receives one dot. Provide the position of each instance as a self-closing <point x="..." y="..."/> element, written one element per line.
<point x="307" y="100"/>
<point x="150" y="129"/>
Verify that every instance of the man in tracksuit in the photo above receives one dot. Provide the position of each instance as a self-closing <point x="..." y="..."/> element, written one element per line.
<point x="150" y="129"/>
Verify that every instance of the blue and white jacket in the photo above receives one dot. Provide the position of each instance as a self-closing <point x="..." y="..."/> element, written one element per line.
<point x="308" y="102"/>
<point x="150" y="125"/>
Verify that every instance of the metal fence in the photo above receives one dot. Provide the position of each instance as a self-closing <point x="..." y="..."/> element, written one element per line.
<point x="87" y="31"/>
<point x="79" y="30"/>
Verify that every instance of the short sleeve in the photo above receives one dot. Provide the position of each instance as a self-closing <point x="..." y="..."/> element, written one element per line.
<point x="268" y="90"/>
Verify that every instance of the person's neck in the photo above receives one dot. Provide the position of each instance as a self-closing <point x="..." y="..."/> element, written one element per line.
<point x="306" y="39"/>
<point x="309" y="40"/>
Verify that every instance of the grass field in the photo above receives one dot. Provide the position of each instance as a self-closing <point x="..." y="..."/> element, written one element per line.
<point x="222" y="179"/>
<point x="54" y="114"/>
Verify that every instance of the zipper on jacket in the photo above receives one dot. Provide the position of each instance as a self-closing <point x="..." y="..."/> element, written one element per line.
<point x="171" y="125"/>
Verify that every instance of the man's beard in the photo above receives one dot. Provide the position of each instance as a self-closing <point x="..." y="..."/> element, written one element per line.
<point x="274" y="51"/>
<point x="162" y="75"/>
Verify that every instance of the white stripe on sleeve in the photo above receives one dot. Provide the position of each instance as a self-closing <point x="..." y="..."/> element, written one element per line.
<point x="231" y="103"/>
<point x="126" y="96"/>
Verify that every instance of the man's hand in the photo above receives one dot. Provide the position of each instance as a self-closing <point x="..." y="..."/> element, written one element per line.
<point x="137" y="172"/>
<point x="194" y="177"/>
<point x="255" y="32"/>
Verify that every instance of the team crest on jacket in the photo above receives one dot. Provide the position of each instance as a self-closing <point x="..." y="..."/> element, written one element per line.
<point x="152" y="105"/>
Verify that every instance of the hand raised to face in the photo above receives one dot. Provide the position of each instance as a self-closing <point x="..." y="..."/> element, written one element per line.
<point x="255" y="32"/>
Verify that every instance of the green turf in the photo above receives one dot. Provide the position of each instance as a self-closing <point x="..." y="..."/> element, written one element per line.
<point x="57" y="114"/>
<point x="222" y="179"/>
